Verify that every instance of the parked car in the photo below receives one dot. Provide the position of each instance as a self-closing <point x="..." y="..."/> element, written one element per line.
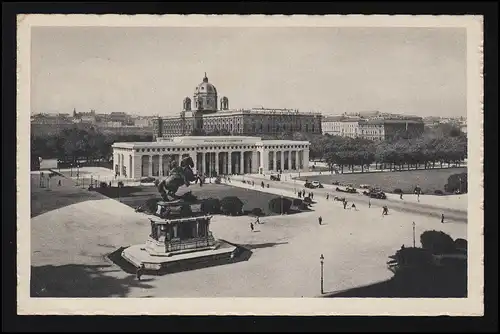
<point x="275" y="177"/>
<point x="373" y="193"/>
<point x="365" y="186"/>
<point x="347" y="189"/>
<point x="309" y="185"/>
<point x="339" y="199"/>
<point x="336" y="183"/>
<point x="316" y="184"/>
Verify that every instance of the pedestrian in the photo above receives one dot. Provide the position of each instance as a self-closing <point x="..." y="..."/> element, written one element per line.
<point x="262" y="184"/>
<point x="400" y="195"/>
<point x="320" y="220"/>
<point x="257" y="221"/>
<point x="140" y="271"/>
<point x="251" y="226"/>
<point x="327" y="196"/>
<point x="353" y="206"/>
<point x="345" y="204"/>
<point x="312" y="195"/>
<point x="59" y="183"/>
<point x="369" y="203"/>
<point x="442" y="218"/>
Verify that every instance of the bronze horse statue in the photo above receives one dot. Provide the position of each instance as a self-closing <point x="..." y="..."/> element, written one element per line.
<point x="180" y="175"/>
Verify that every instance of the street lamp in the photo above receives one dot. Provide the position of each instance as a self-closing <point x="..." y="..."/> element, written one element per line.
<point x="413" y="234"/>
<point x="321" y="258"/>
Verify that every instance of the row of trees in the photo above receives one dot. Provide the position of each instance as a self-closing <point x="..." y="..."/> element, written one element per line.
<point x="73" y="144"/>
<point x="442" y="144"/>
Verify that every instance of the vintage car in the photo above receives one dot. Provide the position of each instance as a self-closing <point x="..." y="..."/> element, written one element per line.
<point x="339" y="199"/>
<point x="348" y="189"/>
<point x="317" y="184"/>
<point x="336" y="183"/>
<point x="365" y="186"/>
<point x="275" y="177"/>
<point x="375" y="193"/>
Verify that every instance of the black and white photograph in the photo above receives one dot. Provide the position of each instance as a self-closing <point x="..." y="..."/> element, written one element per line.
<point x="260" y="164"/>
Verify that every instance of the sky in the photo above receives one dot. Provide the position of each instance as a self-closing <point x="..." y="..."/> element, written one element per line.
<point x="332" y="70"/>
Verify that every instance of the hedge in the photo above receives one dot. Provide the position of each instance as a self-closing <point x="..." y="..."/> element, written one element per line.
<point x="231" y="205"/>
<point x="456" y="182"/>
<point x="211" y="205"/>
<point x="257" y="212"/>
<point x="280" y="205"/>
<point x="398" y="191"/>
<point x="438" y="192"/>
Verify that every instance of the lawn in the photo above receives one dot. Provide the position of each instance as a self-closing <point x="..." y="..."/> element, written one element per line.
<point x="428" y="180"/>
<point x="137" y="195"/>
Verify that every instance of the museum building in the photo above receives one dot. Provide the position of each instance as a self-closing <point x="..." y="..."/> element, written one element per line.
<point x="212" y="155"/>
<point x="207" y="115"/>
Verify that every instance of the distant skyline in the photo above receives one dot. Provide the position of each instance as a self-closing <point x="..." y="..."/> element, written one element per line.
<point x="332" y="70"/>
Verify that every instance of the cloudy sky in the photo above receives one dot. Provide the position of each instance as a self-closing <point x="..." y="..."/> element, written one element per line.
<point x="148" y="71"/>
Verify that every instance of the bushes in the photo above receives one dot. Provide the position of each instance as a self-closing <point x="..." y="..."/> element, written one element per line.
<point x="280" y="205"/>
<point x="461" y="243"/>
<point x="398" y="191"/>
<point x="438" y="192"/>
<point x="210" y="205"/>
<point x="456" y="182"/>
<point x="437" y="242"/>
<point x="231" y="205"/>
<point x="257" y="212"/>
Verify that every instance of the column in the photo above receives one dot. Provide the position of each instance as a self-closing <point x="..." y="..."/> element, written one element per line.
<point x="160" y="165"/>
<point x="255" y="164"/>
<point x="194" y="156"/>
<point x="306" y="158"/>
<point x="203" y="160"/>
<point x="289" y="160"/>
<point x="150" y="165"/>
<point x="275" y="154"/>
<point x="217" y="163"/>
<point x="297" y="161"/>
<point x="242" y="162"/>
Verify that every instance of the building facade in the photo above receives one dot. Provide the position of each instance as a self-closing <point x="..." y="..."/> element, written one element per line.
<point x="223" y="155"/>
<point x="210" y="114"/>
<point x="375" y="128"/>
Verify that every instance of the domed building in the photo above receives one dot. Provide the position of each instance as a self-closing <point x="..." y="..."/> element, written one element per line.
<point x="204" y="115"/>
<point x="205" y="96"/>
<point x="218" y="139"/>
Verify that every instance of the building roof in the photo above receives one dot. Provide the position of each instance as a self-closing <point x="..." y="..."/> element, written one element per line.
<point x="190" y="141"/>
<point x="205" y="87"/>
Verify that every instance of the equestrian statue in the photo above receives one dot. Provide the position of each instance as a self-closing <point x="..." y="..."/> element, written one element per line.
<point x="179" y="175"/>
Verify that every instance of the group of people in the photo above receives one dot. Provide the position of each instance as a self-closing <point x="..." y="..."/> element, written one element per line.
<point x="302" y="194"/>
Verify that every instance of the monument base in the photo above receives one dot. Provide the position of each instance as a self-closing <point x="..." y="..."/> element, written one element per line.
<point x="138" y="255"/>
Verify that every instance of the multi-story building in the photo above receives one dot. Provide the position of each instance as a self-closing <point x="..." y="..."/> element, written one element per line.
<point x="373" y="126"/>
<point x="209" y="116"/>
<point x="386" y="129"/>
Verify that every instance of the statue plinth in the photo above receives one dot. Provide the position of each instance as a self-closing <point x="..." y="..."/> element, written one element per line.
<point x="176" y="236"/>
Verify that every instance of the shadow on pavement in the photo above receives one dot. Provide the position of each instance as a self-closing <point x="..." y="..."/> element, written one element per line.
<point x="437" y="283"/>
<point x="263" y="245"/>
<point x="76" y="281"/>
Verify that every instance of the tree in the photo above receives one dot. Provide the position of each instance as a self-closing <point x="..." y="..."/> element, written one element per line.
<point x="437" y="242"/>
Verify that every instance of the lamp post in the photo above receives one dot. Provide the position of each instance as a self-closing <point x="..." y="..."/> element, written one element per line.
<point x="321" y="258"/>
<point x="70" y="170"/>
<point x="460" y="184"/>
<point x="281" y="203"/>
<point x="413" y="234"/>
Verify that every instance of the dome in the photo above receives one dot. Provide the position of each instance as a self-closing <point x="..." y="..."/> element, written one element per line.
<point x="205" y="87"/>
